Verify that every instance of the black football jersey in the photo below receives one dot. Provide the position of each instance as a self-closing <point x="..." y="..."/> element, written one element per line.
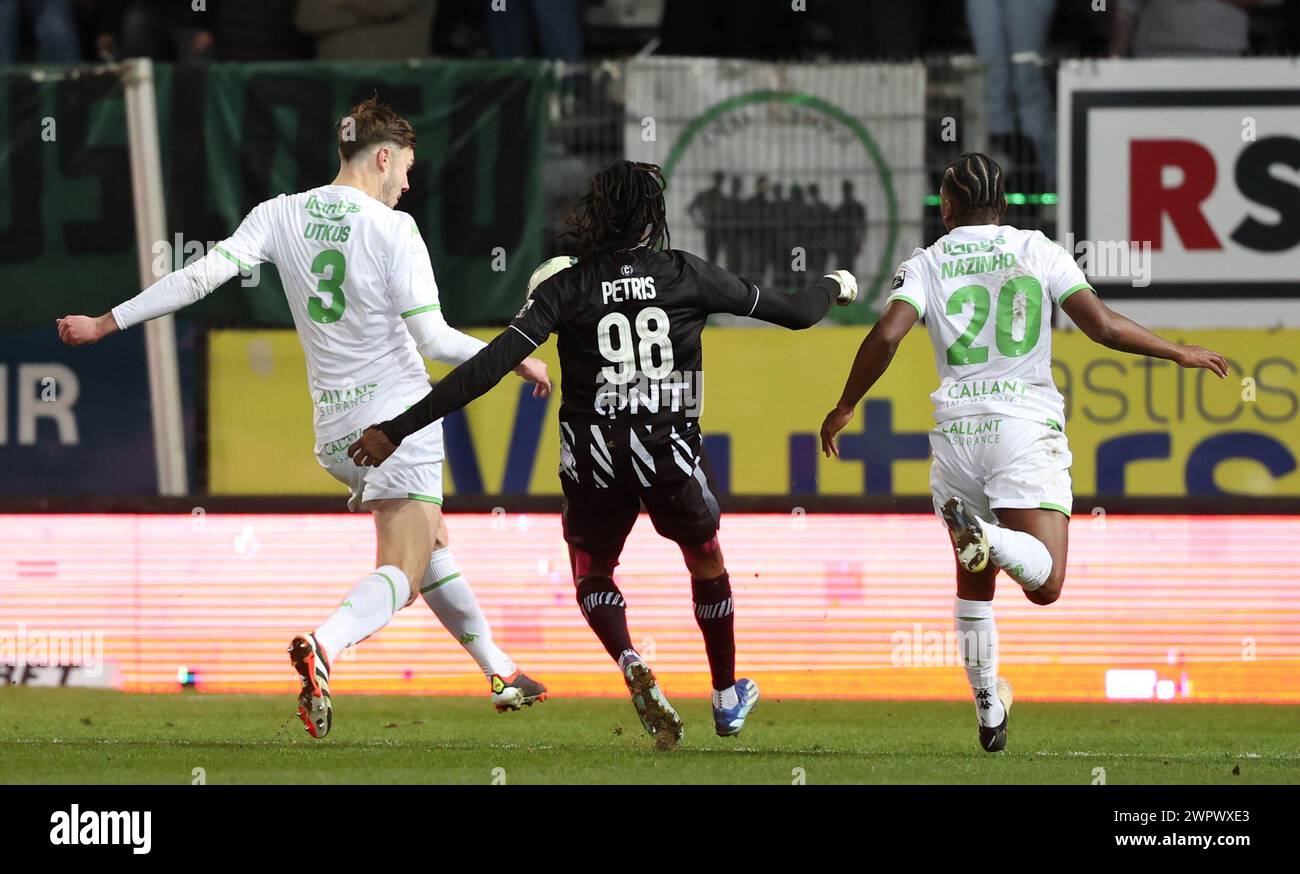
<point x="628" y="328"/>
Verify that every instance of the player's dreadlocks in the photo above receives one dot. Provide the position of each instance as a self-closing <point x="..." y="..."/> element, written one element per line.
<point x="975" y="182"/>
<point x="623" y="208"/>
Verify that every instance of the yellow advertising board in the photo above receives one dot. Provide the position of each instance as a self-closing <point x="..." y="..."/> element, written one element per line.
<point x="1136" y="426"/>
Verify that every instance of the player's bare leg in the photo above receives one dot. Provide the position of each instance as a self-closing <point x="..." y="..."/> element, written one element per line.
<point x="404" y="544"/>
<point x="606" y="612"/>
<point x="977" y="642"/>
<point x="716" y="615"/>
<point x="448" y="594"/>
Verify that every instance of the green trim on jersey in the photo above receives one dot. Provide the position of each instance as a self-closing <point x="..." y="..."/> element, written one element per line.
<point x="424" y="309"/>
<point x="437" y="583"/>
<point x="1053" y="424"/>
<point x="222" y="252"/>
<point x="428" y="499"/>
<point x="916" y="306"/>
<point x="1060" y="300"/>
<point x="1057" y="507"/>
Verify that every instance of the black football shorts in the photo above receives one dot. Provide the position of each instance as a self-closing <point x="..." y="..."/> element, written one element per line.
<point x="609" y="471"/>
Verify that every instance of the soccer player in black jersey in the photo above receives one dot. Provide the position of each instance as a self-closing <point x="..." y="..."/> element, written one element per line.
<point x="629" y="310"/>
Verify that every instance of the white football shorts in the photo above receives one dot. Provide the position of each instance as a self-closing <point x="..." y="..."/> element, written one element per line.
<point x="414" y="471"/>
<point x="998" y="462"/>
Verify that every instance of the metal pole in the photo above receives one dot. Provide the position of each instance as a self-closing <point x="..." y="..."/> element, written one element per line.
<point x="150" y="228"/>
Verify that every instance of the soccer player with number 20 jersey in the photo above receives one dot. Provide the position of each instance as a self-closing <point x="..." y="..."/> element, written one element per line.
<point x="1000" y="475"/>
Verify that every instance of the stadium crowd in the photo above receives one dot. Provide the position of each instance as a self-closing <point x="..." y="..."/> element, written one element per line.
<point x="1017" y="41"/>
<point x="74" y="31"/>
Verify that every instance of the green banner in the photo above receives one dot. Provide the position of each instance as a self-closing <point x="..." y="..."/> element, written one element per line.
<point x="233" y="135"/>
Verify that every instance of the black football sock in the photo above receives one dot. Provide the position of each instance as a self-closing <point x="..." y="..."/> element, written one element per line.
<point x="716" y="616"/>
<point x="606" y="612"/>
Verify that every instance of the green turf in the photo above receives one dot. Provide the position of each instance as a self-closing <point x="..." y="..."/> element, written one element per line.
<point x="84" y="736"/>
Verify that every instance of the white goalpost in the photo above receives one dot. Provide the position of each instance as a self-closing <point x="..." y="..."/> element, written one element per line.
<point x="151" y="226"/>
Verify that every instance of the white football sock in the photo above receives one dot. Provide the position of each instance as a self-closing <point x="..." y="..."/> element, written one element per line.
<point x="977" y="643"/>
<point x="366" y="609"/>
<point x="449" y="596"/>
<point x="725" y="697"/>
<point x="1023" y="556"/>
<point x="626" y="657"/>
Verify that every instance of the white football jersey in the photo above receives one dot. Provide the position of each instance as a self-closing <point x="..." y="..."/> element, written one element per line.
<point x="985" y="293"/>
<point x="358" y="281"/>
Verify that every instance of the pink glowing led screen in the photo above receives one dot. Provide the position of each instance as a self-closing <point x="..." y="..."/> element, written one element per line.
<point x="1155" y="607"/>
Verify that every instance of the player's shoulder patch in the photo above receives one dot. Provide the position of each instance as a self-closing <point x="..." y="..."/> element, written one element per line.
<point x="528" y="304"/>
<point x="899" y="278"/>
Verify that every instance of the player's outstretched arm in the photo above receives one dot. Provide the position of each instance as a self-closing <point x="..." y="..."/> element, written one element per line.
<point x="505" y="353"/>
<point x="722" y="291"/>
<point x="808" y="306"/>
<point x="178" y="289"/>
<point x="167" y="295"/>
<point x="1105" y="326"/>
<point x="872" y="360"/>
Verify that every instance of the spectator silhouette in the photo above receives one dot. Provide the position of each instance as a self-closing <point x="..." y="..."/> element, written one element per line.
<point x="730" y="231"/>
<point x="817" y="220"/>
<point x="1181" y="28"/>
<point x="376" y="30"/>
<point x="1010" y="37"/>
<point x="52" y="22"/>
<point x="794" y="232"/>
<point x="259" y="30"/>
<point x="755" y="236"/>
<point x="773" y="235"/>
<point x="537" y="29"/>
<point x="707" y="210"/>
<point x="153" y="29"/>
<point x="850" y="222"/>
<point x="757" y="230"/>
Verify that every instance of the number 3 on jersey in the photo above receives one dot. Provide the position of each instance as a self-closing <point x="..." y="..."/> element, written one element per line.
<point x="328" y="304"/>
<point x="615" y="337"/>
<point x="962" y="352"/>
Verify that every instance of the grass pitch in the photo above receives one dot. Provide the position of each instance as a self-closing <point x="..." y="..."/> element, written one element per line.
<point x="91" y="736"/>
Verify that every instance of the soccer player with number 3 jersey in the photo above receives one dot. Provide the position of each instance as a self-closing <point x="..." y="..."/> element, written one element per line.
<point x="1000" y="475"/>
<point x="361" y="290"/>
